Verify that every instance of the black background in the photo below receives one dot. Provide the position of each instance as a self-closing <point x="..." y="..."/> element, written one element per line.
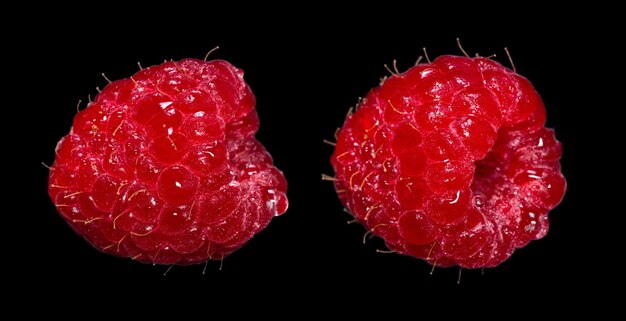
<point x="306" y="69"/>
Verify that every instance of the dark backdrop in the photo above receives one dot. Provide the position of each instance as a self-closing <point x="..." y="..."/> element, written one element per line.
<point x="306" y="68"/>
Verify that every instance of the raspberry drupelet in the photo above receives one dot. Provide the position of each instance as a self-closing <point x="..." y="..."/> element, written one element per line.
<point x="164" y="168"/>
<point x="450" y="162"/>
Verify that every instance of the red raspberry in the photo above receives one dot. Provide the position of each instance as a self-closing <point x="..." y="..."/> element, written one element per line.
<point x="450" y="162"/>
<point x="164" y="168"/>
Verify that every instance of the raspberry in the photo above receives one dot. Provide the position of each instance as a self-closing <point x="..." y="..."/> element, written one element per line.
<point x="450" y="162"/>
<point x="164" y="168"/>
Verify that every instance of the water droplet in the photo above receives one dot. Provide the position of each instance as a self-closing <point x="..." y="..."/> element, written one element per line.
<point x="479" y="201"/>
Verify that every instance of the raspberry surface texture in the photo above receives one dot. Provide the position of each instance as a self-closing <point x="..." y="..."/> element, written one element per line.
<point x="164" y="168"/>
<point x="450" y="162"/>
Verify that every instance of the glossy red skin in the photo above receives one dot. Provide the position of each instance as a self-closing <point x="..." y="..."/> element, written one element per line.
<point x="163" y="167"/>
<point x="450" y="162"/>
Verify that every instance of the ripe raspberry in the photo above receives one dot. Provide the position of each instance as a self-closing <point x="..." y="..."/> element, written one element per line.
<point x="164" y="168"/>
<point x="450" y="162"/>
